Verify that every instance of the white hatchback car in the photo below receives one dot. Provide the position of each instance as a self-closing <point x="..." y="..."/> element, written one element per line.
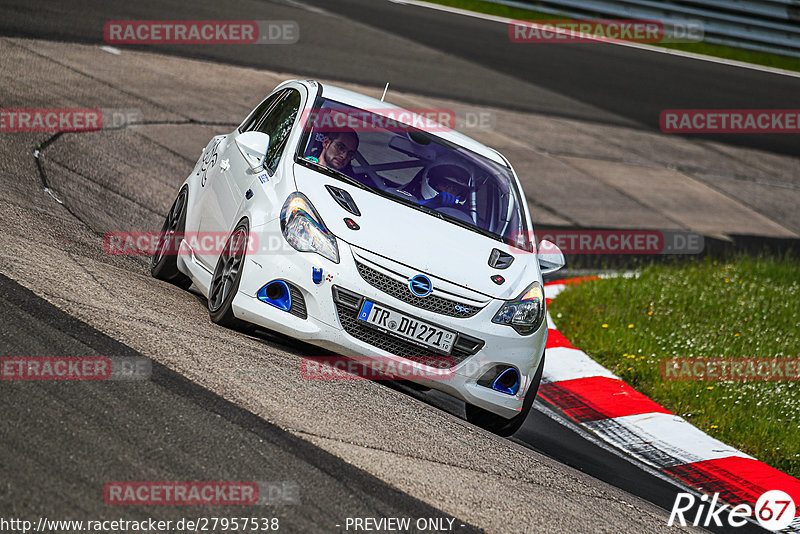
<point x="371" y="236"/>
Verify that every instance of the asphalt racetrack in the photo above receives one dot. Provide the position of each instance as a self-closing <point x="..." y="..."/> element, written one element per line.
<point x="426" y="51"/>
<point x="229" y="405"/>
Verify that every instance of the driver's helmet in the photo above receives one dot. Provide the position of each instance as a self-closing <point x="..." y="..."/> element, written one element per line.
<point x="452" y="179"/>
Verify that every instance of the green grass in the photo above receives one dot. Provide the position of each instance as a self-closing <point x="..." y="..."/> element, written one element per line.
<point x="727" y="52"/>
<point x="739" y="308"/>
<point x="496" y="9"/>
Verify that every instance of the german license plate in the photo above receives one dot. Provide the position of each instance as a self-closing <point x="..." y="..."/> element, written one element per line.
<point x="406" y="327"/>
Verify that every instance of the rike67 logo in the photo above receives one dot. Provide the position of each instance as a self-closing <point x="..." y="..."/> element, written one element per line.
<point x="774" y="510"/>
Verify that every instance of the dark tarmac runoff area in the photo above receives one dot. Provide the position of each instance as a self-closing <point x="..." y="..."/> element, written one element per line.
<point x="164" y="428"/>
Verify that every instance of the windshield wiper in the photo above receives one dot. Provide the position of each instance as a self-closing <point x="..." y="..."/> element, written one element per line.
<point x="445" y="217"/>
<point x="470" y="226"/>
<point x="415" y="205"/>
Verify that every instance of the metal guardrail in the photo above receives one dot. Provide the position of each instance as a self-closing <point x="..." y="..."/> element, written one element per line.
<point x="762" y="25"/>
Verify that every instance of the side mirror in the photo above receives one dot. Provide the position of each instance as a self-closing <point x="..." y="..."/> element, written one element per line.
<point x="550" y="257"/>
<point x="253" y="146"/>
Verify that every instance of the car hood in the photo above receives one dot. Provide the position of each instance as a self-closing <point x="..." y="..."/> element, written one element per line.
<point x="418" y="240"/>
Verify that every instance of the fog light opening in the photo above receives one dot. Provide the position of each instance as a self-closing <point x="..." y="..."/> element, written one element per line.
<point x="507" y="382"/>
<point x="276" y="293"/>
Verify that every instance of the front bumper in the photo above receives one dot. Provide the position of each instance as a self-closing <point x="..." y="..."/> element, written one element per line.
<point x="331" y="323"/>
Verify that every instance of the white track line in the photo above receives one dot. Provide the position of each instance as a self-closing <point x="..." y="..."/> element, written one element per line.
<point x="672" y="435"/>
<point x="650" y="48"/>
<point x="592" y="438"/>
<point x="563" y="363"/>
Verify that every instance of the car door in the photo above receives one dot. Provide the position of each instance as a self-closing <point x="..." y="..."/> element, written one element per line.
<point x="277" y="123"/>
<point x="223" y="185"/>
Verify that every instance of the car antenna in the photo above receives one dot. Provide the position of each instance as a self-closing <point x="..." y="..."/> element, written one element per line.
<point x="384" y="91"/>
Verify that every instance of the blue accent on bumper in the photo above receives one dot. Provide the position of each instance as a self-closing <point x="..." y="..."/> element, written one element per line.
<point x="283" y="302"/>
<point x="513" y="390"/>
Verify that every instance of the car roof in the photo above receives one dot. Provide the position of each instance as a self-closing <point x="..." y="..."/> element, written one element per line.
<point x="346" y="96"/>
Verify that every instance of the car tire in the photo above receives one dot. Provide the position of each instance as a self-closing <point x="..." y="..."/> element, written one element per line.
<point x="500" y="425"/>
<point x="227" y="276"/>
<point x="164" y="261"/>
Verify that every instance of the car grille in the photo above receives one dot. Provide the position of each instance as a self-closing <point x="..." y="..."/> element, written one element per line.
<point x="348" y="305"/>
<point x="400" y="291"/>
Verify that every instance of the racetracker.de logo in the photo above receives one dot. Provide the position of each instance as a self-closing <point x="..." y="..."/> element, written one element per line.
<point x="51" y="120"/>
<point x="727" y="369"/>
<point x="121" y="32"/>
<point x="75" y="368"/>
<point x="149" y="243"/>
<point x="181" y="493"/>
<point x="730" y="121"/>
<point x="331" y="120"/>
<point x="605" y="30"/>
<point x="56" y="368"/>
<point x="579" y="241"/>
<point x="67" y="120"/>
<point x="206" y="493"/>
<point x="377" y="368"/>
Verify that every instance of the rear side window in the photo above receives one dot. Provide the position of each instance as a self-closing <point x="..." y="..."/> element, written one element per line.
<point x="258" y="114"/>
<point x="278" y="124"/>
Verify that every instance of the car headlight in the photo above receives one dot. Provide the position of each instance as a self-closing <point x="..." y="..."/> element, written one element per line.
<point x="304" y="230"/>
<point x="526" y="313"/>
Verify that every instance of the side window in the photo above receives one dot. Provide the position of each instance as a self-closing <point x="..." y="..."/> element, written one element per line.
<point x="278" y="125"/>
<point x="250" y="123"/>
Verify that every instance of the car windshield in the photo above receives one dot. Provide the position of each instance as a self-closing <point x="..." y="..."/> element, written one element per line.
<point x="387" y="156"/>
